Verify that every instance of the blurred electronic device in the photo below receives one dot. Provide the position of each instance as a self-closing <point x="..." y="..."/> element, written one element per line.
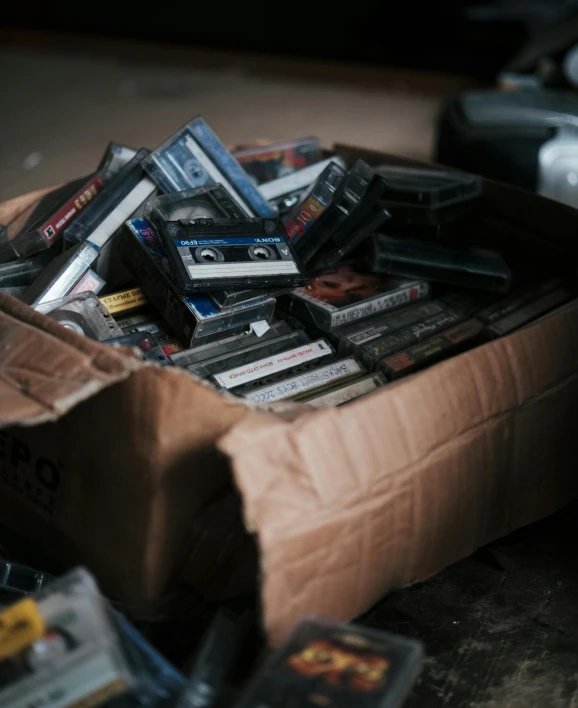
<point x="525" y="138"/>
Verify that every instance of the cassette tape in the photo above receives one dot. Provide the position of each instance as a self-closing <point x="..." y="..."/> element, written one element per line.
<point x="326" y="663"/>
<point x="268" y="162"/>
<point x="195" y="157"/>
<point x="124" y="301"/>
<point x="82" y="314"/>
<point x="59" y="278"/>
<point x="146" y="343"/>
<point x="23" y="271"/>
<point x="522" y="297"/>
<point x="448" y="343"/>
<point x="189" y="357"/>
<point x="20" y="579"/>
<point x="340" y="216"/>
<point x="298" y="181"/>
<point x="312" y="205"/>
<point x="379" y="349"/>
<point x="317" y="379"/>
<point x="423" y="196"/>
<point x="210" y="255"/>
<point x="226" y="299"/>
<point x="262" y="372"/>
<point x="194" y="319"/>
<point x="60" y="648"/>
<point x="359" y="333"/>
<point x="115" y="204"/>
<point x="115" y="157"/>
<point x="39" y="226"/>
<point x="89" y="282"/>
<point x="339" y="395"/>
<point x="249" y="354"/>
<point x="211" y="202"/>
<point x="341" y="295"/>
<point x="486" y="270"/>
<point x="528" y="313"/>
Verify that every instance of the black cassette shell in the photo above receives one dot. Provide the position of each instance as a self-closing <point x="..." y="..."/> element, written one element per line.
<point x="215" y="254"/>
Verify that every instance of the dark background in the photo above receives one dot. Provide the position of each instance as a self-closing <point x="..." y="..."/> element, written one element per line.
<point x="475" y="37"/>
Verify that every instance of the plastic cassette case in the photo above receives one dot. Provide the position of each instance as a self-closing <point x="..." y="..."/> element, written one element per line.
<point x="195" y="157"/>
<point x="60" y="649"/>
<point x="146" y="343"/>
<point x="210" y="202"/>
<point x="310" y="207"/>
<point x="20" y="579"/>
<point x="23" y="271"/>
<point x="116" y="203"/>
<point x="341" y="295"/>
<point x="268" y="162"/>
<point x="201" y="353"/>
<point x="422" y="196"/>
<point x="486" y="270"/>
<point x="518" y="299"/>
<point x="254" y="352"/>
<point x="339" y="395"/>
<point x="226" y="299"/>
<point x="84" y="314"/>
<point x="359" y="333"/>
<point x="192" y="318"/>
<point x="448" y="343"/>
<point x="373" y="352"/>
<point x="210" y="255"/>
<point x="262" y="372"/>
<point x="115" y="157"/>
<point x="298" y="181"/>
<point x="325" y="663"/>
<point x="89" y="282"/>
<point x="528" y="313"/>
<point x="40" y="225"/>
<point x="317" y="379"/>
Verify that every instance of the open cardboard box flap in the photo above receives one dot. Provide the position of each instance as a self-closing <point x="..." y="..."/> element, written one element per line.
<point x="345" y="503"/>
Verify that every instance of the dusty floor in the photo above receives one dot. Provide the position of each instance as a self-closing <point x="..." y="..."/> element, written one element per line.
<point x="61" y="108"/>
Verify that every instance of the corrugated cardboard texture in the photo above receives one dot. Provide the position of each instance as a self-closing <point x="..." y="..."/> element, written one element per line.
<point x="352" y="502"/>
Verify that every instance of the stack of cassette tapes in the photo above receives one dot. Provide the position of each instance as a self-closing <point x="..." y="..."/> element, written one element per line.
<point x="277" y="272"/>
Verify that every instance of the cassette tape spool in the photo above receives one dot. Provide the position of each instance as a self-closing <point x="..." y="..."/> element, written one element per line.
<point x="211" y="255"/>
<point x="83" y="314"/>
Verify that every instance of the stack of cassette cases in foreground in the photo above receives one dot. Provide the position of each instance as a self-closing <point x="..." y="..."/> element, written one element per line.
<point x="276" y="272"/>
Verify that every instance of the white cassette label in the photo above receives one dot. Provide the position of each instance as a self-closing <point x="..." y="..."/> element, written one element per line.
<point x="379" y="304"/>
<point x="305" y="382"/>
<point x="273" y="364"/>
<point x="345" y="394"/>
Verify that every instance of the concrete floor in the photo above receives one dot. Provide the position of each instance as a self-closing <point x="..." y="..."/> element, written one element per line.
<point x="60" y="109"/>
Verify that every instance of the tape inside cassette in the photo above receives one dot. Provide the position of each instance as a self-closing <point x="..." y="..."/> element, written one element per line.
<point x="83" y="314"/>
<point x="209" y="254"/>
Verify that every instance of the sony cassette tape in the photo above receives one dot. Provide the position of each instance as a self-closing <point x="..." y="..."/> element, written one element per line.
<point x="262" y="372"/>
<point x="423" y="196"/>
<point x="193" y="318"/>
<point x="253" y="352"/>
<point x="320" y="378"/>
<point x="82" y="314"/>
<point x="359" y="333"/>
<point x="311" y="206"/>
<point x="448" y="343"/>
<point x="59" y="278"/>
<point x="419" y="259"/>
<point x="209" y="255"/>
<point x="195" y="157"/>
<point x="115" y="204"/>
<point x="210" y="202"/>
<point x="528" y="313"/>
<point x="327" y="663"/>
<point x="201" y="353"/>
<point x="39" y="226"/>
<point x="268" y="162"/>
<point x="115" y="157"/>
<point x="59" y="648"/>
<point x="341" y="394"/>
<point x="341" y="295"/>
<point x="373" y="352"/>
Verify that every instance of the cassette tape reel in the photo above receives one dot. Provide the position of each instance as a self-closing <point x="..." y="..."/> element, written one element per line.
<point x="83" y="314"/>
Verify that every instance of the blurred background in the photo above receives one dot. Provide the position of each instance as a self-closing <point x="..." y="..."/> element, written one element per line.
<point x="372" y="74"/>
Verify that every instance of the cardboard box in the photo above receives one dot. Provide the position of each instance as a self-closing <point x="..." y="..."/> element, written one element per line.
<point x="147" y="475"/>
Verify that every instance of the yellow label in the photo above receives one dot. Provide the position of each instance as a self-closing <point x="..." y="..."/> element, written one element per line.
<point x="123" y="301"/>
<point x="20" y="626"/>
